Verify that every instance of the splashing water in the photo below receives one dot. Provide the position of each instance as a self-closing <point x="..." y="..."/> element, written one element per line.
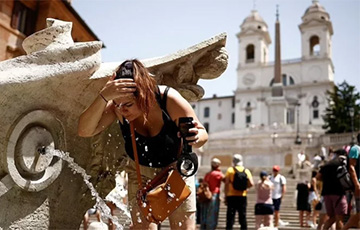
<point x="100" y="203"/>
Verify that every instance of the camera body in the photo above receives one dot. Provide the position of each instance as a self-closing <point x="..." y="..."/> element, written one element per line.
<point x="187" y="163"/>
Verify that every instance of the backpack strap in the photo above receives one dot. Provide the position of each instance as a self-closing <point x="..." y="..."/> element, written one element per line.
<point x="236" y="170"/>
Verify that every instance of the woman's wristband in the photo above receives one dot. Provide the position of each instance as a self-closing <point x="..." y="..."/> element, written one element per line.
<point x="103" y="98"/>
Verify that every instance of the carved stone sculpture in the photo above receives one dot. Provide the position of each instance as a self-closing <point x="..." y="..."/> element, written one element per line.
<point x="42" y="95"/>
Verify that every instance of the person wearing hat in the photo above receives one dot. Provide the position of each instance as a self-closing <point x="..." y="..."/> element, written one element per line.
<point x="264" y="208"/>
<point x="236" y="200"/>
<point x="279" y="182"/>
<point x="210" y="210"/>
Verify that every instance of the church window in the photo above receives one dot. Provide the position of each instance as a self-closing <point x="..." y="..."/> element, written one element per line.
<point x="219" y="116"/>
<point x="314" y="46"/>
<point x="286" y="80"/>
<point x="206" y="112"/>
<point x="207" y="126"/>
<point x="259" y="27"/>
<point x="291" y="80"/>
<point x="23" y="18"/>
<point x="290" y="116"/>
<point x="248" y="114"/>
<point x="232" y="118"/>
<point x="233" y="102"/>
<point x="315" y="113"/>
<point x="248" y="119"/>
<point x="250" y="53"/>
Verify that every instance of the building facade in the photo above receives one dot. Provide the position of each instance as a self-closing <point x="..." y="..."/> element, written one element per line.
<point x="20" y="18"/>
<point x="264" y="127"/>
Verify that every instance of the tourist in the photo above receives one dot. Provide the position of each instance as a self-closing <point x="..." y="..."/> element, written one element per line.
<point x="131" y="95"/>
<point x="314" y="199"/>
<point x="264" y="208"/>
<point x="91" y="211"/>
<point x="279" y="182"/>
<point x="198" y="183"/>
<point x="354" y="171"/>
<point x="332" y="191"/>
<point x="236" y="200"/>
<point x="210" y="210"/>
<point x="302" y="204"/>
<point x="301" y="159"/>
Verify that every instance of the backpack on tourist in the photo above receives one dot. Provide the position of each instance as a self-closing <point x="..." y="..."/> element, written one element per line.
<point x="240" y="181"/>
<point x="342" y="174"/>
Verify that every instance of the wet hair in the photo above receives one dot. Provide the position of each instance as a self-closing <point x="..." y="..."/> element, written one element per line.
<point x="145" y="84"/>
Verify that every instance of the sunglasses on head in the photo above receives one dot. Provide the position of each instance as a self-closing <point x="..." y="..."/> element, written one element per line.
<point x="125" y="71"/>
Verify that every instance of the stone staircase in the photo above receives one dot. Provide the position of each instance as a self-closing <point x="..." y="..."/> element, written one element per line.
<point x="288" y="211"/>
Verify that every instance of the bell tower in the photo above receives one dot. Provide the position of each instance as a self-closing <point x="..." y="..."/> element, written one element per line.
<point x="316" y="31"/>
<point x="254" y="41"/>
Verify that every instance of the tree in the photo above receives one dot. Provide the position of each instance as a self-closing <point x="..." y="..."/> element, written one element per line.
<point x="337" y="115"/>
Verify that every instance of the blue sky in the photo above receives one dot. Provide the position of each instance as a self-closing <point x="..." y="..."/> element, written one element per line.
<point x="151" y="28"/>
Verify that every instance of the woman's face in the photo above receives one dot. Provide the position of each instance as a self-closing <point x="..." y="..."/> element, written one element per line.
<point x="129" y="109"/>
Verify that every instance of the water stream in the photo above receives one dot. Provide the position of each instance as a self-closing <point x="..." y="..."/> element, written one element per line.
<point x="100" y="203"/>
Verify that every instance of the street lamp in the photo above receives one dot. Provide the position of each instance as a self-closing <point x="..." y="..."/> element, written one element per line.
<point x="274" y="136"/>
<point x="351" y="113"/>
<point x="297" y="139"/>
<point x="309" y="137"/>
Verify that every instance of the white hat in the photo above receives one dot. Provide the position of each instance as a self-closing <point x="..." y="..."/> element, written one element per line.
<point x="215" y="162"/>
<point x="237" y="159"/>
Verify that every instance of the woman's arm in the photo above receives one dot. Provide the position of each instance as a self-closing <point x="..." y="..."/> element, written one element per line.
<point x="178" y="107"/>
<point x="96" y="118"/>
<point x="313" y="183"/>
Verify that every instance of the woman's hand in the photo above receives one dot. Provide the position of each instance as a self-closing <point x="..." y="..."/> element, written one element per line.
<point x="118" y="88"/>
<point x="193" y="134"/>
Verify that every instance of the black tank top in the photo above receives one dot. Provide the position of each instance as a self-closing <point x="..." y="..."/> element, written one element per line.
<point x="157" y="151"/>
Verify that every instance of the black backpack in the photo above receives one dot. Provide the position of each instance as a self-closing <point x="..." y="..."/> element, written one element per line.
<point x="343" y="176"/>
<point x="240" y="180"/>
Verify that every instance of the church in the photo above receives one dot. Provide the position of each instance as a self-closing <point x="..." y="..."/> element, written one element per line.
<point x="276" y="110"/>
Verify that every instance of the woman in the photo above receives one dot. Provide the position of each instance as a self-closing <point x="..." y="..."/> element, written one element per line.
<point x="264" y="208"/>
<point x="131" y="95"/>
<point x="302" y="204"/>
<point x="313" y="199"/>
<point x="210" y="210"/>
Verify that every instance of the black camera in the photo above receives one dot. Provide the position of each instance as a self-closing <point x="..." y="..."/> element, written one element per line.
<point x="187" y="163"/>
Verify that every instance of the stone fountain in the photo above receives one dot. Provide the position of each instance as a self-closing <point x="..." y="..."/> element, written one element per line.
<point x="42" y="95"/>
